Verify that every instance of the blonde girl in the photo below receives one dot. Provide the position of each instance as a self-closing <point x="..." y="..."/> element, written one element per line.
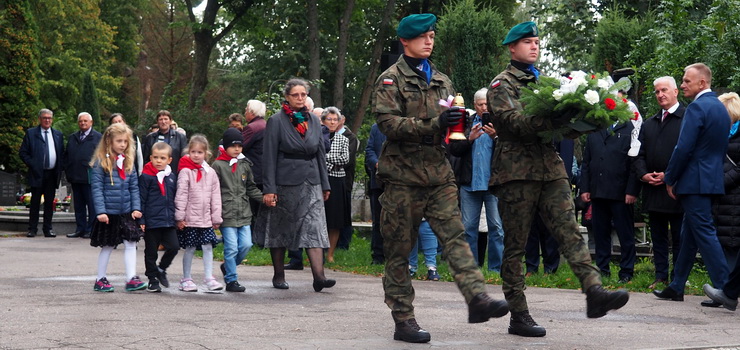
<point x="115" y="190"/>
<point x="197" y="212"/>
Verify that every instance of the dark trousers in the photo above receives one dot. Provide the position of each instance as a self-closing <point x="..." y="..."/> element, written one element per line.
<point x="296" y="257"/>
<point x="48" y="190"/>
<point x="83" y="204"/>
<point x="604" y="213"/>
<point x="255" y="206"/>
<point x="376" y="241"/>
<point x="540" y="239"/>
<point x="699" y="234"/>
<point x="153" y="237"/>
<point x="482" y="246"/>
<point x="345" y="233"/>
<point x="661" y="233"/>
<point x="732" y="287"/>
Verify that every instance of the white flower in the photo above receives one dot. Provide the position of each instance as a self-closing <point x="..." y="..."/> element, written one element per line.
<point x="591" y="96"/>
<point x="536" y="92"/>
<point x="603" y="84"/>
<point x="580" y="81"/>
<point x="577" y="74"/>
<point x="558" y="95"/>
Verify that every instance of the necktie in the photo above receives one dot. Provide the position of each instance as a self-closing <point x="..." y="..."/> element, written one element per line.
<point x="665" y="115"/>
<point x="82" y="137"/>
<point x="46" y="150"/>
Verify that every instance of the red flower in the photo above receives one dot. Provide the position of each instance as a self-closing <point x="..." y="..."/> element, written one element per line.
<point x="637" y="115"/>
<point x="624" y="100"/>
<point x="593" y="76"/>
<point x="610" y="104"/>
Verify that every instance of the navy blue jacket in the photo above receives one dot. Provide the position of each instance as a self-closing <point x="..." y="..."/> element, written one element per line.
<point x="606" y="171"/>
<point x="158" y="210"/>
<point x="77" y="156"/>
<point x="32" y="153"/>
<point x="112" y="195"/>
<point x="372" y="153"/>
<point x="696" y="164"/>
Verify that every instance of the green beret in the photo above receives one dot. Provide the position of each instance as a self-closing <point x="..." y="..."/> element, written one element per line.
<point x="415" y="25"/>
<point x="521" y="31"/>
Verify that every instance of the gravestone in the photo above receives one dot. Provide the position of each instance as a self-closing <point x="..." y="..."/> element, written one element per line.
<point x="9" y="185"/>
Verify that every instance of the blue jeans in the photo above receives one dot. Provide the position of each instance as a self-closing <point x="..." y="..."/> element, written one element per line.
<point x="428" y="242"/>
<point x="237" y="242"/>
<point x="471" y="203"/>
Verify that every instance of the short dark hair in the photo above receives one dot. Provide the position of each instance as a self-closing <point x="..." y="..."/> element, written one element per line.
<point x="112" y="116"/>
<point x="236" y="117"/>
<point x="164" y="112"/>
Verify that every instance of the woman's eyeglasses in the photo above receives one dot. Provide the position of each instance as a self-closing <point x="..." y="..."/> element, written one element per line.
<point x="298" y="94"/>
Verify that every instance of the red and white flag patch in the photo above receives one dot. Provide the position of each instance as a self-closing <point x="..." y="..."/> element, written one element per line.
<point x="495" y="84"/>
<point x="387" y="81"/>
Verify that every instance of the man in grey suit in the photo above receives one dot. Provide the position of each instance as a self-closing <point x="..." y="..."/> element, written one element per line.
<point x="42" y="151"/>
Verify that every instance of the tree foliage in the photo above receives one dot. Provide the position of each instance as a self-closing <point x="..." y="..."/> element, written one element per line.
<point x="19" y="71"/>
<point x="460" y="51"/>
<point x="89" y="101"/>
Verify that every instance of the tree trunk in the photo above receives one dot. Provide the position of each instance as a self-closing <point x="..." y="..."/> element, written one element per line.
<point x="314" y="58"/>
<point x="206" y="39"/>
<point x="374" y="65"/>
<point x="341" y="54"/>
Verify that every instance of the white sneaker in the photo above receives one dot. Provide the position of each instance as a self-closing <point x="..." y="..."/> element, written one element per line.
<point x="213" y="285"/>
<point x="187" y="285"/>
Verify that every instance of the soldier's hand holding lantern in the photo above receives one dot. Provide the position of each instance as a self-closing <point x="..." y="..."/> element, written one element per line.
<point x="450" y="117"/>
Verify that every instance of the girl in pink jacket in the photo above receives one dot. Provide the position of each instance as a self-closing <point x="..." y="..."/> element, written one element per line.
<point x="197" y="212"/>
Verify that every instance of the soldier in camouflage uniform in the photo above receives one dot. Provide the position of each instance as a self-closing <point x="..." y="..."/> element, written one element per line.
<point x="418" y="179"/>
<point x="528" y="177"/>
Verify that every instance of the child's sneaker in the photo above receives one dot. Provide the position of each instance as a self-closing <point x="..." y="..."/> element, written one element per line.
<point x="234" y="286"/>
<point x="153" y="286"/>
<point x="432" y="275"/>
<point x="163" y="278"/>
<point x="187" y="285"/>
<point x="135" y="284"/>
<point x="213" y="285"/>
<point x="102" y="285"/>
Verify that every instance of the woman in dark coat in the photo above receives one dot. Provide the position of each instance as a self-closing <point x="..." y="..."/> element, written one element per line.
<point x="295" y="185"/>
<point x="727" y="207"/>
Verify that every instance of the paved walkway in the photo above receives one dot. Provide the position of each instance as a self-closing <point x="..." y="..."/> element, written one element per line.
<point x="47" y="301"/>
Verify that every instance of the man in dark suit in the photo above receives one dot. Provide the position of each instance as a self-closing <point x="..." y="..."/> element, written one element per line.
<point x="695" y="174"/>
<point x="608" y="183"/>
<point x="372" y="153"/>
<point x="42" y="150"/>
<point x="658" y="137"/>
<point x="168" y="134"/>
<point x="80" y="148"/>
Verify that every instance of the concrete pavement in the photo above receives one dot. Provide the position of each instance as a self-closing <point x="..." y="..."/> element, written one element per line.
<point x="47" y="301"/>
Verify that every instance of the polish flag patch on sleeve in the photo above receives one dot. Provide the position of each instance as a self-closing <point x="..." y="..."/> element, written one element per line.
<point x="495" y="84"/>
<point x="387" y="81"/>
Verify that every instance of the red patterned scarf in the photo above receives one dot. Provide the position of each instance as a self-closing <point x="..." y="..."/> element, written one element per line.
<point x="299" y="119"/>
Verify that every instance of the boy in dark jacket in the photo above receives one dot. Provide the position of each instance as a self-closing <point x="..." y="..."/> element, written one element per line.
<point x="157" y="186"/>
<point x="237" y="186"/>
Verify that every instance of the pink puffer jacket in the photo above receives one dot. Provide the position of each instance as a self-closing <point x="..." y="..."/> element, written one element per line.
<point x="198" y="203"/>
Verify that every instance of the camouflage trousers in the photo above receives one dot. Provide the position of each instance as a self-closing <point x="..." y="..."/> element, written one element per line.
<point x="402" y="212"/>
<point x="518" y="202"/>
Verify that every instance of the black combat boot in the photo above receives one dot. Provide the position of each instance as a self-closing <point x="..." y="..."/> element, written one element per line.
<point x="410" y="332"/>
<point x="599" y="301"/>
<point x="483" y="307"/>
<point x="522" y="324"/>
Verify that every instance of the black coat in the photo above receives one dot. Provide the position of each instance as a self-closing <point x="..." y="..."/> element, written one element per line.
<point x="176" y="140"/>
<point x="657" y="142"/>
<point x="32" y="154"/>
<point x="727" y="208"/>
<point x="77" y="156"/>
<point x="606" y="171"/>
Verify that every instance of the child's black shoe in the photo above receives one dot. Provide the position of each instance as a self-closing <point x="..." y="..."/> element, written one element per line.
<point x="153" y="286"/>
<point x="234" y="286"/>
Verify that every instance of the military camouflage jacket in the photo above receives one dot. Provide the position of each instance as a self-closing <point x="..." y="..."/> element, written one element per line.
<point x="407" y="109"/>
<point x="519" y="154"/>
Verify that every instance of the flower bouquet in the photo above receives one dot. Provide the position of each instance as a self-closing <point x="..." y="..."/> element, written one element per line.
<point x="591" y="100"/>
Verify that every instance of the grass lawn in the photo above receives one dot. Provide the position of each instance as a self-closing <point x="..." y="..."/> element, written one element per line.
<point x="357" y="260"/>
